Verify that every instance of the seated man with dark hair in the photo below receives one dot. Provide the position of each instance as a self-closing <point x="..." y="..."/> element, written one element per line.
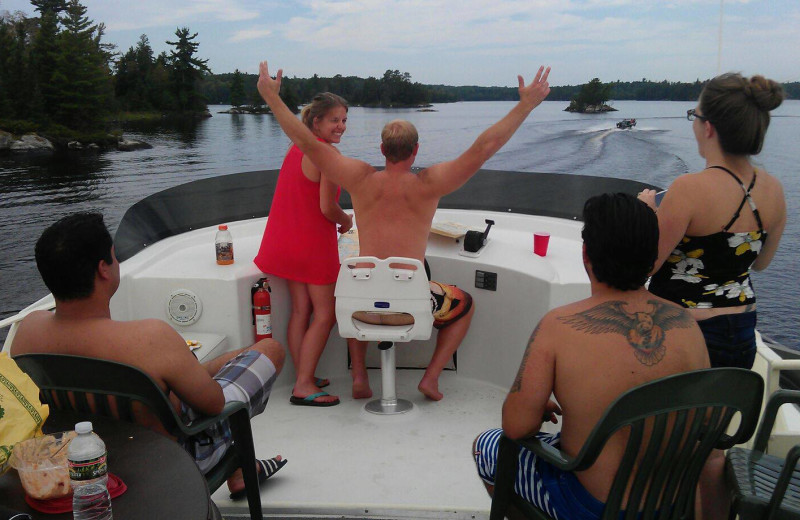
<point x="589" y="352"/>
<point x="75" y="257"/>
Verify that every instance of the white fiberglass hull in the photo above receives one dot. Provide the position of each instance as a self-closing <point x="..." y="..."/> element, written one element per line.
<point x="343" y="461"/>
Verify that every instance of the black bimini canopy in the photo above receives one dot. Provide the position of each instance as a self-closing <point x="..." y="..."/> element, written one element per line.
<point x="247" y="195"/>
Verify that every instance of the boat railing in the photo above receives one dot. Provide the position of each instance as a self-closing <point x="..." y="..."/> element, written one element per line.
<point x="773" y="365"/>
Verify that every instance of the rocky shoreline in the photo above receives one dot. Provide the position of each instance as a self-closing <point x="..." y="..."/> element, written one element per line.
<point x="263" y="109"/>
<point x="32" y="143"/>
<point x="247" y="109"/>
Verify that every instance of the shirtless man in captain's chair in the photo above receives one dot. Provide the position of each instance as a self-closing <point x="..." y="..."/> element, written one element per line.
<point x="394" y="207"/>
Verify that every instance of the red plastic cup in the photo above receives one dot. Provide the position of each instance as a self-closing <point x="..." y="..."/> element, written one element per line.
<point x="540" y="241"/>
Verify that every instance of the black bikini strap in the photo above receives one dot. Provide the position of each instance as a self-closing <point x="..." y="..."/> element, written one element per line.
<point x="747" y="198"/>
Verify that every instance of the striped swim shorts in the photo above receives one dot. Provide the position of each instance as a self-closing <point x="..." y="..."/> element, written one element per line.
<point x="558" y="493"/>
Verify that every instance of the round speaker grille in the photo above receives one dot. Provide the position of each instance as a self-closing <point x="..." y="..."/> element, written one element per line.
<point x="184" y="307"/>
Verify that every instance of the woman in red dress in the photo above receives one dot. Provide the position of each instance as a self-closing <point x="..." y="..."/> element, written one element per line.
<point x="300" y="245"/>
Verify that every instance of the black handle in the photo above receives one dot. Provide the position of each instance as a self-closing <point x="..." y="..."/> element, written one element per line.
<point x="488" y="227"/>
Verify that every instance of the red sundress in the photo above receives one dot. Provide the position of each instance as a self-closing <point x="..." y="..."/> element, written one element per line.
<point x="299" y="243"/>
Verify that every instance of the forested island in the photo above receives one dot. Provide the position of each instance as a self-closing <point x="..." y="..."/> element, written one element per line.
<point x="60" y="80"/>
<point x="396" y="89"/>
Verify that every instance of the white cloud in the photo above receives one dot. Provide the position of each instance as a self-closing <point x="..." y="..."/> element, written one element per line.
<point x="254" y="33"/>
<point x="142" y="14"/>
<point x="456" y="25"/>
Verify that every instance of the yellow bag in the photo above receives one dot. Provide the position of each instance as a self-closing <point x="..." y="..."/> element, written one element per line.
<point x="21" y="413"/>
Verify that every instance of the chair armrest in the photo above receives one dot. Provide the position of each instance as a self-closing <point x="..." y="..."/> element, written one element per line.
<point x="550" y="454"/>
<point x="775" y="401"/>
<point x="203" y="422"/>
<point x="783" y="481"/>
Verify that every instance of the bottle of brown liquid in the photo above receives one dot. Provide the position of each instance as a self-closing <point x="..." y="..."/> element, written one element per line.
<point x="224" y="245"/>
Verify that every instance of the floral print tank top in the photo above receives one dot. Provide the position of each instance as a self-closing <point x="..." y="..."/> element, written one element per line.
<point x="713" y="270"/>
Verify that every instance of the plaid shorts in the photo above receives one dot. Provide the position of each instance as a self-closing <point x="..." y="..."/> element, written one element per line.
<point x="558" y="493"/>
<point x="246" y="378"/>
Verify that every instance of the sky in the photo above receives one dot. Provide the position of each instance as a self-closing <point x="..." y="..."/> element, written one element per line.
<point x="470" y="42"/>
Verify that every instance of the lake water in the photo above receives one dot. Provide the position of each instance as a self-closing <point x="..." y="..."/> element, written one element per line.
<point x="37" y="191"/>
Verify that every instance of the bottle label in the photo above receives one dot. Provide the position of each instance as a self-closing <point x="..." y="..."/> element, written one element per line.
<point x="88" y="469"/>
<point x="224" y="252"/>
<point x="263" y="324"/>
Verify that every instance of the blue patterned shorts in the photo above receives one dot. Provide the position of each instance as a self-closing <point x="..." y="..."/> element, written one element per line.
<point x="558" y="493"/>
<point x="247" y="378"/>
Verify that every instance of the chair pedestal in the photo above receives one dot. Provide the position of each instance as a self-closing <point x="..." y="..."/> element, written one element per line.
<point x="388" y="404"/>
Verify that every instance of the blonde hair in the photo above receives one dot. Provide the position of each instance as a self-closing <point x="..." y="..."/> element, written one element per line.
<point x="739" y="109"/>
<point x="399" y="139"/>
<point x="320" y="105"/>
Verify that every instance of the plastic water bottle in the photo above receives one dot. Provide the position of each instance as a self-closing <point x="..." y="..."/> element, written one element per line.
<point x="88" y="475"/>
<point x="224" y="245"/>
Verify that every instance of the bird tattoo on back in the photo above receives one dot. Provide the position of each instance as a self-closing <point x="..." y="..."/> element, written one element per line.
<point x="644" y="330"/>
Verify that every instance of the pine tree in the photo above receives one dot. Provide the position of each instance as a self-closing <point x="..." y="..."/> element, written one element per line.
<point x="56" y="6"/>
<point x="159" y="84"/>
<point x="19" y="86"/>
<point x="371" y="93"/>
<point x="256" y="99"/>
<point x="594" y="93"/>
<point x="289" y="95"/>
<point x="237" y="89"/>
<point x="186" y="72"/>
<point x="124" y="80"/>
<point x="6" y="60"/>
<point x="44" y="53"/>
<point x="134" y="72"/>
<point x="81" y="72"/>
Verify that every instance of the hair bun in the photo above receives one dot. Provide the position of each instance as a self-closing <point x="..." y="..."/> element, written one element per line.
<point x="765" y="93"/>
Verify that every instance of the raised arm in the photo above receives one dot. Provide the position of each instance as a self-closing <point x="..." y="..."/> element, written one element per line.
<point x="448" y="176"/>
<point x="344" y="171"/>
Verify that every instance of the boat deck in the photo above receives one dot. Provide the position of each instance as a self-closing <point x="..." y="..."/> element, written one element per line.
<point x="347" y="462"/>
<point x="344" y="462"/>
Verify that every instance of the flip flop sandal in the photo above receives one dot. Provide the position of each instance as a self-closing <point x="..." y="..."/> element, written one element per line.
<point x="309" y="400"/>
<point x="268" y="468"/>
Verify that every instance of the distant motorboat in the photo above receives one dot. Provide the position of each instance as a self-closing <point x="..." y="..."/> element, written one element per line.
<point x="626" y="124"/>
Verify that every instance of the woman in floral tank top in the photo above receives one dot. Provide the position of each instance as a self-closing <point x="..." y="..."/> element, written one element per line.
<point x="717" y="224"/>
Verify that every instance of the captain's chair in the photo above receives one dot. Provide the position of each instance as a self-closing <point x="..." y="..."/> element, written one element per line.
<point x="386" y="301"/>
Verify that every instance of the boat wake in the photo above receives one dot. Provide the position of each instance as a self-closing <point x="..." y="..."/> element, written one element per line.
<point x="601" y="151"/>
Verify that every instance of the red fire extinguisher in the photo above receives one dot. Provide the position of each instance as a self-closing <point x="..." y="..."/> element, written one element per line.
<point x="262" y="317"/>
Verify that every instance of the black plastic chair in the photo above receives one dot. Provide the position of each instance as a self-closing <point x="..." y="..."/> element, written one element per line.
<point x="67" y="382"/>
<point x="765" y="486"/>
<point x="673" y="423"/>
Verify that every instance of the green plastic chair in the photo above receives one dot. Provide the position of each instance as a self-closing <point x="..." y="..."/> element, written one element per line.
<point x="765" y="486"/>
<point x="674" y="423"/>
<point x="67" y="382"/>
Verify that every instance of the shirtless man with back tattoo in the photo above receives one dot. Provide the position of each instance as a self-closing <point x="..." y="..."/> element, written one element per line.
<point x="589" y="352"/>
